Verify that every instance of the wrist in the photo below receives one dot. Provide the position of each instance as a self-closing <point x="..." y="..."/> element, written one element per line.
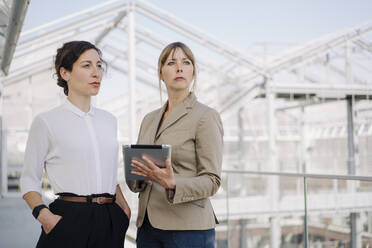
<point x="44" y="215"/>
<point x="36" y="211"/>
<point x="172" y="185"/>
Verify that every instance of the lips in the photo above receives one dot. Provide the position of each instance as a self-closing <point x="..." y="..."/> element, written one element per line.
<point x="179" y="78"/>
<point x="95" y="84"/>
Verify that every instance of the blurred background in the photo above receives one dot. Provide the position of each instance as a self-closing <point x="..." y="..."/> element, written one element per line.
<point x="292" y="81"/>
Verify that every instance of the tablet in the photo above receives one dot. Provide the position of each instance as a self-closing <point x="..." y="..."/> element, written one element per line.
<point x="157" y="153"/>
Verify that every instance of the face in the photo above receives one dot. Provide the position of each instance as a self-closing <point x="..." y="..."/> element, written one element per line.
<point x="177" y="71"/>
<point x="85" y="77"/>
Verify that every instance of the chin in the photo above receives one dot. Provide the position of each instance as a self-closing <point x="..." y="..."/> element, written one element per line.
<point x="94" y="93"/>
<point x="180" y="88"/>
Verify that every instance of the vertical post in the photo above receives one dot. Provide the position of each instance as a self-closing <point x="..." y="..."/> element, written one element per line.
<point x="237" y="178"/>
<point x="227" y="210"/>
<point x="355" y="230"/>
<point x="1" y="140"/>
<point x="348" y="69"/>
<point x="239" y="183"/>
<point x="1" y="154"/>
<point x="241" y="138"/>
<point x="4" y="164"/>
<point x="302" y="149"/>
<point x="335" y="181"/>
<point x="355" y="237"/>
<point x="304" y="143"/>
<point x="306" y="234"/>
<point x="350" y="125"/>
<point x="326" y="66"/>
<point x="132" y="73"/>
<point x="3" y="146"/>
<point x="275" y="236"/>
<point x="355" y="241"/>
<point x="243" y="233"/>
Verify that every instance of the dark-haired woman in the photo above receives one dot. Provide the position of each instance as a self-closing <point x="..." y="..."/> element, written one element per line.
<point x="76" y="144"/>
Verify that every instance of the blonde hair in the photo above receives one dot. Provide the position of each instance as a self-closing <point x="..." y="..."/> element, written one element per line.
<point x="165" y="54"/>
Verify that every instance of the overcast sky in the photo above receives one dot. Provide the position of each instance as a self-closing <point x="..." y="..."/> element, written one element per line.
<point x="238" y="22"/>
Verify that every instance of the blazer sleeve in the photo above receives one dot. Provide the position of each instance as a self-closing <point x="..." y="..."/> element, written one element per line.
<point x="208" y="149"/>
<point x="37" y="148"/>
<point x="137" y="185"/>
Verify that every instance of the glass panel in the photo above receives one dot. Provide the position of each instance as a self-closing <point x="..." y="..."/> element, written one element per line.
<point x="253" y="215"/>
<point x="249" y="214"/>
<point x="15" y="146"/>
<point x="333" y="205"/>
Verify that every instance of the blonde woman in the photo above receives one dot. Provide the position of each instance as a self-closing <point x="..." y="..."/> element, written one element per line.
<point x="174" y="207"/>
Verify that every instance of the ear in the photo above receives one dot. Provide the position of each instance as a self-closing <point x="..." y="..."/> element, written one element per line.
<point x="65" y="74"/>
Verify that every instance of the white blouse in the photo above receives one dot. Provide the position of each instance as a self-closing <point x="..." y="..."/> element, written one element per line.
<point x="79" y="151"/>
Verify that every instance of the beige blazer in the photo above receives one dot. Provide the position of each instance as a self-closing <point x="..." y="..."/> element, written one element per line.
<point x="195" y="134"/>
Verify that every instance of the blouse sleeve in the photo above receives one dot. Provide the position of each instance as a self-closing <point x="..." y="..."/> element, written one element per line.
<point x="36" y="151"/>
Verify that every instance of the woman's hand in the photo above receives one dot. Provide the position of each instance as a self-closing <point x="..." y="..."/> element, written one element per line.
<point x="163" y="176"/>
<point x="120" y="200"/>
<point x="48" y="220"/>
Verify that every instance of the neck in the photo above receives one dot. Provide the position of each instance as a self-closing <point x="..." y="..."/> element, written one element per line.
<point x="175" y="98"/>
<point x="82" y="102"/>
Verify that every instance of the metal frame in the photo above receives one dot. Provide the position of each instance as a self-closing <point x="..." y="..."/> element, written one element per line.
<point x="241" y="78"/>
<point x="275" y="226"/>
<point x="17" y="14"/>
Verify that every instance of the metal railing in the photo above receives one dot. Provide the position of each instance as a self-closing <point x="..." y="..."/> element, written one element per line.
<point x="304" y="177"/>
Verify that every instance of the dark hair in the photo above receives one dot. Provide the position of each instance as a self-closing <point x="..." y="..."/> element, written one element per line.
<point x="66" y="57"/>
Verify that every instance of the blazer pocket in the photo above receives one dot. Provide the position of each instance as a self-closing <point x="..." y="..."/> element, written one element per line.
<point x="199" y="203"/>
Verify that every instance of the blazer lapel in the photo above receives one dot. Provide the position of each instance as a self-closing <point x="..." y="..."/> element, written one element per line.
<point x="156" y="121"/>
<point x="180" y="111"/>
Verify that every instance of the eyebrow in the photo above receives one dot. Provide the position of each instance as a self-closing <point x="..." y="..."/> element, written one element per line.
<point x="89" y="61"/>
<point x="182" y="59"/>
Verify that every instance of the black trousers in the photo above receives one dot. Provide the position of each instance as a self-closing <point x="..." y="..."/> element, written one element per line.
<point x="87" y="225"/>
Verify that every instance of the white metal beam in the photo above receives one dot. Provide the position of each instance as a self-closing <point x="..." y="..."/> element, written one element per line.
<point x="86" y="12"/>
<point x="132" y="74"/>
<point x="115" y="23"/>
<point x="55" y="39"/>
<point x="332" y="91"/>
<point x="16" y="18"/>
<point x="173" y="23"/>
<point x="290" y="59"/>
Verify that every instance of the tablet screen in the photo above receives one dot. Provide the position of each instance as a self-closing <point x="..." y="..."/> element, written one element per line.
<point x="157" y="153"/>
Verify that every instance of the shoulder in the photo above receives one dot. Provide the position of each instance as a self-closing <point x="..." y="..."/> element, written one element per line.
<point x="208" y="118"/>
<point x="105" y="115"/>
<point x="151" y="115"/>
<point x="204" y="111"/>
<point x="48" y="116"/>
<point x="43" y="122"/>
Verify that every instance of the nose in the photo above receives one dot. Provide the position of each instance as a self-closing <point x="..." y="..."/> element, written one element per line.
<point x="95" y="72"/>
<point x="179" y="67"/>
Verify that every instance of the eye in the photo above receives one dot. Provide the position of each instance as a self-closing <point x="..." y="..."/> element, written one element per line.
<point x="187" y="62"/>
<point x="170" y="63"/>
<point x="86" y="66"/>
<point x="100" y="67"/>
